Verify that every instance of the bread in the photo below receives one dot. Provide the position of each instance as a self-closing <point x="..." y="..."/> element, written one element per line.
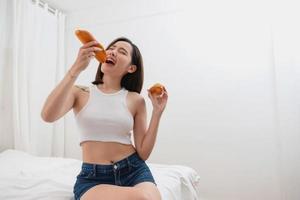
<point x="157" y="89"/>
<point x="85" y="37"/>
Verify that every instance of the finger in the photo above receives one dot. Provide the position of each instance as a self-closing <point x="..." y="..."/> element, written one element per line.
<point x="95" y="49"/>
<point x="165" y="90"/>
<point x="165" y="95"/>
<point x="149" y="94"/>
<point x="165" y="99"/>
<point x="88" y="56"/>
<point x="91" y="54"/>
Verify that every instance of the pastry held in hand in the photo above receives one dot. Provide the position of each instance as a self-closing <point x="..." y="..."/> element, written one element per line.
<point x="157" y="89"/>
<point x="85" y="37"/>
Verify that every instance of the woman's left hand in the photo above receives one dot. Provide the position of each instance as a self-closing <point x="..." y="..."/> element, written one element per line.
<point x="159" y="102"/>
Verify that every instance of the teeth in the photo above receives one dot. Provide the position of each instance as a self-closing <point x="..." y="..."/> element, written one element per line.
<point x="110" y="61"/>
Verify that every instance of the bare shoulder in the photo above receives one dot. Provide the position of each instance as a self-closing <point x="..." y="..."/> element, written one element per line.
<point x="136" y="98"/>
<point x="135" y="102"/>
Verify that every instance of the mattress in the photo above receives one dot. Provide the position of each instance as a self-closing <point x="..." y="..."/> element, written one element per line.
<point x="27" y="177"/>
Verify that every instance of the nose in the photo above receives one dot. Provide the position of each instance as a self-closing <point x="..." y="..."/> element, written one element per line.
<point x="112" y="52"/>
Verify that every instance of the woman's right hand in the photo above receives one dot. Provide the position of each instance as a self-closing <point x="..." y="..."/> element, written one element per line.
<point x="85" y="54"/>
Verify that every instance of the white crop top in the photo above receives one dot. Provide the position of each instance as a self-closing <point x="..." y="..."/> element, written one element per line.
<point x="105" y="117"/>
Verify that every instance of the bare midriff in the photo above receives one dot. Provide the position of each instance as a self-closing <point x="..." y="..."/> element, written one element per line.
<point x="97" y="152"/>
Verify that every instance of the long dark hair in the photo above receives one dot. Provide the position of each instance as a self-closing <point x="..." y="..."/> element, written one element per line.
<point x="130" y="81"/>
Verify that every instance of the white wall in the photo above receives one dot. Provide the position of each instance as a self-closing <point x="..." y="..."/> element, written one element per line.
<point x="217" y="63"/>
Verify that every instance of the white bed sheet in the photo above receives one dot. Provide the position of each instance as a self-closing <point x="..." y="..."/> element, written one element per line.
<point x="27" y="177"/>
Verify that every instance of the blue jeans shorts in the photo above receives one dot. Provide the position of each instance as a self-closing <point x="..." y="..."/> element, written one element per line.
<point x="126" y="172"/>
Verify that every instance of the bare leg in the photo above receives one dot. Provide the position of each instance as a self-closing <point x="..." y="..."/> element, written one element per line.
<point x="142" y="191"/>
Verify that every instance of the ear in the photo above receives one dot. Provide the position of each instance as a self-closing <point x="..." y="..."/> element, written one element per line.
<point x="131" y="69"/>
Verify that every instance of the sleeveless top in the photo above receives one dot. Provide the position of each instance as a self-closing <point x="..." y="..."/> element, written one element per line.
<point x="105" y="117"/>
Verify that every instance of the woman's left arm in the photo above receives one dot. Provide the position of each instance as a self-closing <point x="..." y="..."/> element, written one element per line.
<point x="145" y="137"/>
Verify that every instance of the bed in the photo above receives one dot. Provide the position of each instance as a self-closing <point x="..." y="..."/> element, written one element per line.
<point x="27" y="177"/>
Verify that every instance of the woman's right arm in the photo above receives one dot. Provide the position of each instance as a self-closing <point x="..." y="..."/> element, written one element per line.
<point x="63" y="96"/>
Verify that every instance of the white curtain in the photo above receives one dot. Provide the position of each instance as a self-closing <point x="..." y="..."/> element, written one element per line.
<point x="285" y="35"/>
<point x="32" y="62"/>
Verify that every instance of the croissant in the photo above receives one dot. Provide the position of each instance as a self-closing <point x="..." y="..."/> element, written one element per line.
<point x="85" y="37"/>
<point x="157" y="89"/>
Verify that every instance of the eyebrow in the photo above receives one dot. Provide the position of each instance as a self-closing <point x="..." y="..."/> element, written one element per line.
<point x="120" y="48"/>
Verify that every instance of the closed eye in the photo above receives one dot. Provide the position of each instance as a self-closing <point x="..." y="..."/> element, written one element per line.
<point x="123" y="51"/>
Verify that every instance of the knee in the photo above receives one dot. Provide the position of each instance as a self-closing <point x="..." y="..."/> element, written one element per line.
<point x="145" y="195"/>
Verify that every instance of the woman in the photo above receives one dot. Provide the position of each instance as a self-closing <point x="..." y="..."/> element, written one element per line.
<point x="106" y="113"/>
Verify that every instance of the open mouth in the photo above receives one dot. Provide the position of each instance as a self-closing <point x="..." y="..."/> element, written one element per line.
<point x="110" y="61"/>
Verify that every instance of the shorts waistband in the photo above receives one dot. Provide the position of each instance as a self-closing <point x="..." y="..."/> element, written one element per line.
<point x="107" y="167"/>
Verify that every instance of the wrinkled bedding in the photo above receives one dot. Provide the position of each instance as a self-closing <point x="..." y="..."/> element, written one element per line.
<point x="27" y="177"/>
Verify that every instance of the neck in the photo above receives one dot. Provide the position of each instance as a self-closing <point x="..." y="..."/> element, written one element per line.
<point x="111" y="84"/>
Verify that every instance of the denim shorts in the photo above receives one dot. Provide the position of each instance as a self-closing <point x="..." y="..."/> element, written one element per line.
<point x="126" y="172"/>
